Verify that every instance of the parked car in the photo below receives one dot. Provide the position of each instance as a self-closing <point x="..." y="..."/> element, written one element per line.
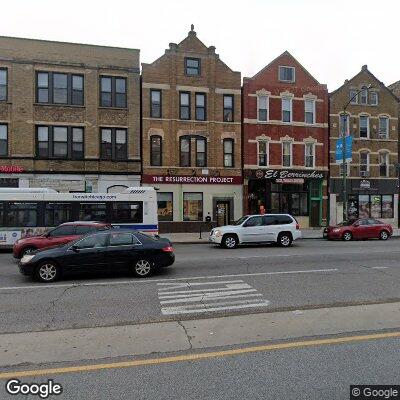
<point x="62" y="234"/>
<point x="116" y="249"/>
<point x="278" y="228"/>
<point x="363" y="228"/>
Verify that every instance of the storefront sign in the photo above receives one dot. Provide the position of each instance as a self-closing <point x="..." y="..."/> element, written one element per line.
<point x="364" y="184"/>
<point x="288" y="174"/>
<point x="11" y="169"/>
<point x="296" y="181"/>
<point x="188" y="179"/>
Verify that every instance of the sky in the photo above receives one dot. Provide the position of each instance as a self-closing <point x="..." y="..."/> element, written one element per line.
<point x="331" y="39"/>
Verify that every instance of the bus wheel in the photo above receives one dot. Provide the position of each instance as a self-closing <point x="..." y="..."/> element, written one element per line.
<point x="48" y="271"/>
<point x="142" y="268"/>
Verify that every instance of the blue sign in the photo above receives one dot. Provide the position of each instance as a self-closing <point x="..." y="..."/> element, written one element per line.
<point x="348" y="150"/>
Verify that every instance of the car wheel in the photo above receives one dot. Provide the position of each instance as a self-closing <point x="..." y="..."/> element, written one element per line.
<point x="26" y="251"/>
<point x="383" y="235"/>
<point x="347" y="236"/>
<point x="229" y="241"/>
<point x="285" y="240"/>
<point x="48" y="271"/>
<point x="142" y="268"/>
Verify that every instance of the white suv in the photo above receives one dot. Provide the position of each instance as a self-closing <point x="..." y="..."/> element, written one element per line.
<point x="278" y="228"/>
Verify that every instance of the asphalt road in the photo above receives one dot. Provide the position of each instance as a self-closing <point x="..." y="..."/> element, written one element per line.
<point x="204" y="281"/>
<point x="313" y="373"/>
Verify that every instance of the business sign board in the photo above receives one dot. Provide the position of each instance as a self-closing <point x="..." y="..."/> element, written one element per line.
<point x="285" y="174"/>
<point x="188" y="179"/>
<point x="348" y="150"/>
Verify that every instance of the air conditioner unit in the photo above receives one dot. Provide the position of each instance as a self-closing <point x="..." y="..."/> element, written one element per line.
<point x="364" y="174"/>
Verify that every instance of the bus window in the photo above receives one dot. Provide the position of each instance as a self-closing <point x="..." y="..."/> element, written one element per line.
<point x="127" y="212"/>
<point x="21" y="214"/>
<point x="92" y="211"/>
<point x="1" y="213"/>
<point x="57" y="213"/>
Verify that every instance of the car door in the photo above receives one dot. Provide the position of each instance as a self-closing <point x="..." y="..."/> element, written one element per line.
<point x="61" y="235"/>
<point x="360" y="229"/>
<point x="253" y="230"/>
<point x="374" y="228"/>
<point x="270" y="228"/>
<point x="122" y="250"/>
<point x="89" y="253"/>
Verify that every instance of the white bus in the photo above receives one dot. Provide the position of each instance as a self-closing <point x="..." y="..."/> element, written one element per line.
<point x="31" y="212"/>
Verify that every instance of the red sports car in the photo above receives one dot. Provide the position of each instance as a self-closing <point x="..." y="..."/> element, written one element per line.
<point x="364" y="228"/>
<point x="63" y="234"/>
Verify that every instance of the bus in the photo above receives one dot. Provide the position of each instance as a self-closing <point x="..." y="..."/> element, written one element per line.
<point x="31" y="212"/>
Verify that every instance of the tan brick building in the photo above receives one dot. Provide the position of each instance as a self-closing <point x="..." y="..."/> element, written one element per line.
<point x="372" y="120"/>
<point x="191" y="107"/>
<point x="69" y="116"/>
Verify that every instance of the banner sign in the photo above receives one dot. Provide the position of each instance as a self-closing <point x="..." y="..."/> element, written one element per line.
<point x="11" y="169"/>
<point x="188" y="179"/>
<point x="348" y="150"/>
<point x="284" y="174"/>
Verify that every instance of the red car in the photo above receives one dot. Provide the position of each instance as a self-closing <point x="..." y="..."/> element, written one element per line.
<point x="64" y="233"/>
<point x="364" y="228"/>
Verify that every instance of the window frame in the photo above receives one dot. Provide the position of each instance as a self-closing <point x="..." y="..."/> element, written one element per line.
<point x="266" y="154"/>
<point x="232" y="109"/>
<point x="6" y="140"/>
<point x="386" y="164"/>
<point x="113" y="91"/>
<point x="232" y="141"/>
<point x="368" y="126"/>
<point x="189" y="152"/>
<point x="281" y="67"/>
<point x="313" y="111"/>
<point x="50" y="142"/>
<point x="151" y="103"/>
<point x="259" y="108"/>
<point x="113" y="143"/>
<point x="197" y="107"/>
<point x="291" y="109"/>
<point x="364" y="89"/>
<point x="381" y="117"/>
<point x="6" y="84"/>
<point x="352" y="93"/>
<point x="152" y="151"/>
<point x="377" y="98"/>
<point x="189" y="106"/>
<point x="312" y="145"/>
<point x="367" y="164"/>
<point x="202" y="206"/>
<point x="198" y="68"/>
<point x="172" y="201"/>
<point x="290" y="153"/>
<point x="201" y="139"/>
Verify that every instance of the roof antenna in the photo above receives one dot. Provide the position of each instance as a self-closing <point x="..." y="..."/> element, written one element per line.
<point x="192" y="28"/>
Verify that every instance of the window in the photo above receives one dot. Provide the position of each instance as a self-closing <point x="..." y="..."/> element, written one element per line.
<point x="263" y="108"/>
<point x="84" y="229"/>
<point x="287" y="74"/>
<point x="344" y="125"/>
<point x="114" y="144"/>
<point x="59" y="88"/>
<point x="192" y="206"/>
<point x="364" y="96"/>
<point x="383" y="128"/>
<point x="3" y="140"/>
<point x="165" y="206"/>
<point x="155" y="151"/>
<point x="263" y="152"/>
<point x="375" y="206"/>
<point x="92" y="211"/>
<point x="112" y="91"/>
<point x="228" y="107"/>
<point x="90" y="242"/>
<point x="289" y="198"/>
<point x="309" y="155"/>
<point x="383" y="164"/>
<point x="283" y="220"/>
<point x="3" y="84"/>
<point x="184" y="151"/>
<point x="131" y="212"/>
<point x="184" y="105"/>
<point x="201" y="107"/>
<point x="309" y="107"/>
<point x="364" y="163"/>
<point x="201" y="152"/>
<point x="387" y="206"/>
<point x="155" y="103"/>
<point x="353" y="96"/>
<point x="66" y="230"/>
<point x="21" y="214"/>
<point x="286" y="109"/>
<point x="192" y="66"/>
<point x="123" y="239"/>
<point x="286" y="154"/>
<point x="63" y="142"/>
<point x="373" y="98"/>
<point x="254" y="221"/>
<point x="228" y="153"/>
<point x="364" y="126"/>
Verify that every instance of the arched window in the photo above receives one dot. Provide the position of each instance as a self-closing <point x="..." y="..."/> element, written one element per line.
<point x="364" y="95"/>
<point x="384" y="164"/>
<point x="364" y="164"/>
<point x="155" y="150"/>
<point x="383" y="128"/>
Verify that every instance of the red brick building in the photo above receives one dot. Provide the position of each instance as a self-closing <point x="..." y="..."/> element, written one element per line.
<point x="285" y="142"/>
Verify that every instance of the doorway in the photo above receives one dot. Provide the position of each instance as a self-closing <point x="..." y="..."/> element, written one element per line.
<point x="223" y="212"/>
<point x="315" y="214"/>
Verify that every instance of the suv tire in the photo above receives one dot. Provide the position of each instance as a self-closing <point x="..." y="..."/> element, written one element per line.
<point x="230" y="241"/>
<point x="285" y="239"/>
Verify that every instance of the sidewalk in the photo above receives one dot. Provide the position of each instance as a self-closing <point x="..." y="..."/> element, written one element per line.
<point x="194" y="237"/>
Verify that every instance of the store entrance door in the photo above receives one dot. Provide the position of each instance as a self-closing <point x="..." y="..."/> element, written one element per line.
<point x="315" y="213"/>
<point x="223" y="212"/>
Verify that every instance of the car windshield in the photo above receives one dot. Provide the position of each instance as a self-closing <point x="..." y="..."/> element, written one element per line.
<point x="240" y="220"/>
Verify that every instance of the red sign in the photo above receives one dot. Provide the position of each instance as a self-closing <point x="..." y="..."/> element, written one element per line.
<point x="11" y="168"/>
<point x="188" y="179"/>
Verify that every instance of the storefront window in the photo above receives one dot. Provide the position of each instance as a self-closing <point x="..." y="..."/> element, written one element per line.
<point x="387" y="206"/>
<point x="275" y="202"/>
<point x="289" y="198"/>
<point x="375" y="206"/>
<point x="363" y="204"/>
<point x="165" y="206"/>
<point x="192" y="206"/>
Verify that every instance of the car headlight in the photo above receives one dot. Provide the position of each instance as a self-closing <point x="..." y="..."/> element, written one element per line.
<point x="26" y="258"/>
<point x="217" y="233"/>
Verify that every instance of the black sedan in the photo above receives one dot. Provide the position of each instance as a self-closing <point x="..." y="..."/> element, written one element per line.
<point x="107" y="250"/>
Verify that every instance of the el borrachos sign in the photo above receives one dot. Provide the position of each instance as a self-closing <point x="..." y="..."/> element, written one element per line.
<point x="286" y="174"/>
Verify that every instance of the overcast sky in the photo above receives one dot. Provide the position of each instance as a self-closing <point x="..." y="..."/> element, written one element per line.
<point x="331" y="38"/>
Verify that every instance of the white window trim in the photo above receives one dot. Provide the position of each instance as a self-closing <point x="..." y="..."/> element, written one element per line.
<point x="361" y="95"/>
<point x="291" y="153"/>
<point x="258" y="152"/>
<point x="355" y="100"/>
<point x="387" y="126"/>
<point x="286" y="66"/>
<point x="305" y="154"/>
<point x="377" y="98"/>
<point x="359" y="162"/>
<point x="313" y="101"/>
<point x="258" y="107"/>
<point x="291" y="109"/>
<point x="368" y="126"/>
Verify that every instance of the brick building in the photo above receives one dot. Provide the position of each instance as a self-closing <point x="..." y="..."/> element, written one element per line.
<point x="372" y="120"/>
<point x="191" y="107"/>
<point x="285" y="142"/>
<point x="69" y="116"/>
